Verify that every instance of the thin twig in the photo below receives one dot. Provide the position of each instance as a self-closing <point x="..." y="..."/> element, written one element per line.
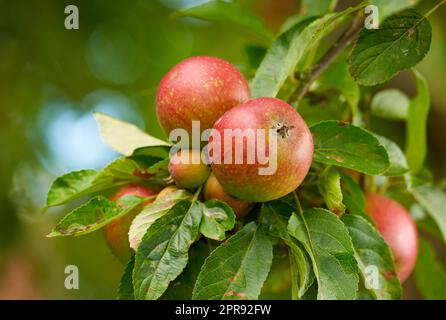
<point x="344" y="41"/>
<point x="434" y="8"/>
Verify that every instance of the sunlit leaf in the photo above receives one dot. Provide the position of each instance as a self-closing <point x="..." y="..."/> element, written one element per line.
<point x="125" y="137"/>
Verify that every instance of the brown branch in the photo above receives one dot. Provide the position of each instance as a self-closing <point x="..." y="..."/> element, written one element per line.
<point x="344" y="41"/>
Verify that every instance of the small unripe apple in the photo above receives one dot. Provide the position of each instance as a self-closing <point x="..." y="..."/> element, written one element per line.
<point x="398" y="230"/>
<point x="214" y="190"/>
<point x="199" y="88"/>
<point x="187" y="169"/>
<point x="287" y="144"/>
<point x="116" y="232"/>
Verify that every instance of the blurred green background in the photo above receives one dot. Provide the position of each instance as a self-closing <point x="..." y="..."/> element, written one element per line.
<point x="51" y="79"/>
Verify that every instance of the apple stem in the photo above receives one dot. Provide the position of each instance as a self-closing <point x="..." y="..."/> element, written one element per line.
<point x="197" y="193"/>
<point x="297" y="201"/>
<point x="344" y="41"/>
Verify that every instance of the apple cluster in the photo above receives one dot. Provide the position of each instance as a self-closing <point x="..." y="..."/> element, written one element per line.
<point x="213" y="92"/>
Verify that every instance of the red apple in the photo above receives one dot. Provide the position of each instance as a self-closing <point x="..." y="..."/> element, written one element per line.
<point x="214" y="190"/>
<point x="116" y="232"/>
<point x="199" y="88"/>
<point x="398" y="230"/>
<point x="289" y="161"/>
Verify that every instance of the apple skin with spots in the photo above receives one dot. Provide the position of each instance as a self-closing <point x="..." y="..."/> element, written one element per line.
<point x="214" y="190"/>
<point x="398" y="229"/>
<point x="186" y="173"/>
<point x="294" y="152"/>
<point x="116" y="232"/>
<point x="199" y="88"/>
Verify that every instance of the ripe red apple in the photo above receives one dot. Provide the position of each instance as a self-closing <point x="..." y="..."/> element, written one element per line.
<point x="199" y="88"/>
<point x="214" y="190"/>
<point x="188" y="170"/>
<point x="398" y="230"/>
<point x="293" y="153"/>
<point x="116" y="232"/>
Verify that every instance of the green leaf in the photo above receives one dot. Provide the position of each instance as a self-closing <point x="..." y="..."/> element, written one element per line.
<point x="348" y="146"/>
<point x="274" y="219"/>
<point x="70" y="186"/>
<point x="401" y="41"/>
<point x="353" y="197"/>
<point x="329" y="185"/>
<point x="429" y="273"/>
<point x="181" y="288"/>
<point x="255" y="55"/>
<point x="387" y="8"/>
<point x="351" y="188"/>
<point x="374" y="259"/>
<point x="151" y="213"/>
<point x="218" y="218"/>
<point x="289" y="48"/>
<point x="302" y="275"/>
<point x="416" y="145"/>
<point x="279" y="62"/>
<point x="398" y="164"/>
<point x="125" y="291"/>
<point x="337" y="76"/>
<point x="319" y="7"/>
<point x="122" y="171"/>
<point x="317" y="107"/>
<point x="124" y="137"/>
<point x="125" y="170"/>
<point x="326" y="240"/>
<point x="93" y="215"/>
<point x="309" y="8"/>
<point x="433" y="200"/>
<point x="222" y="11"/>
<point x="238" y="268"/>
<point x="163" y="252"/>
<point x="154" y="151"/>
<point x="390" y="104"/>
